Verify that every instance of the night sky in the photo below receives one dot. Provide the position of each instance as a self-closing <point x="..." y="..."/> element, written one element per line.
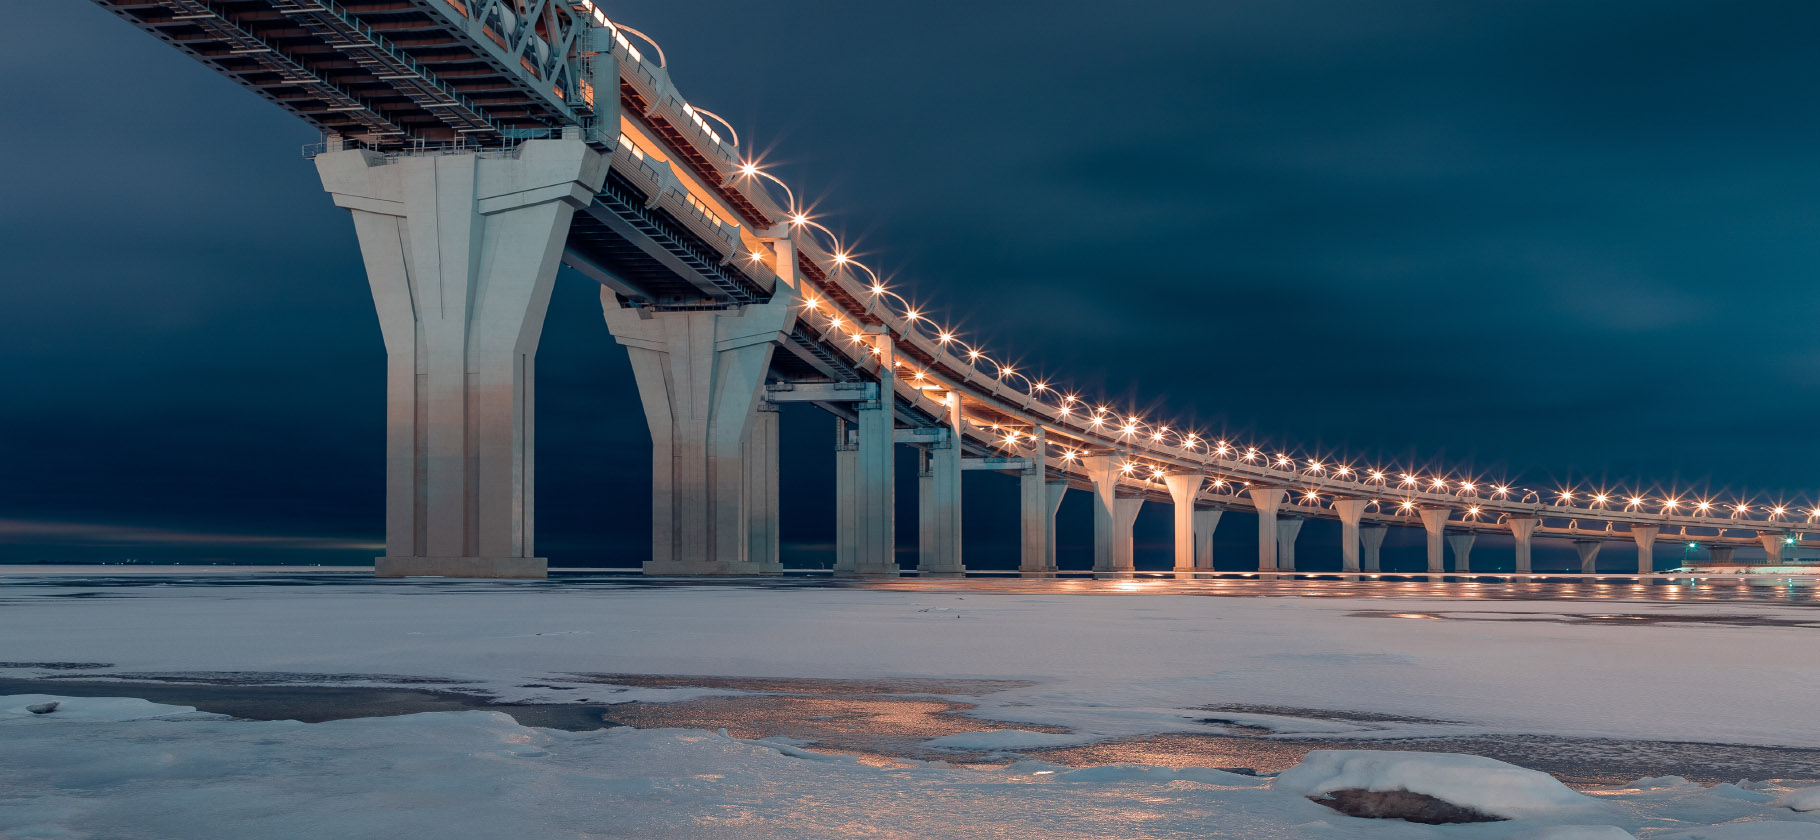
<point x="1544" y="242"/>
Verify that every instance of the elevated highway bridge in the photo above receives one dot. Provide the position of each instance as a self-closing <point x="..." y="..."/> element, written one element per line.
<point x="478" y="144"/>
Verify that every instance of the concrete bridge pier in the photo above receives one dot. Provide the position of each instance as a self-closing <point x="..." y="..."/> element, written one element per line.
<point x="1434" y="519"/>
<point x="1721" y="553"/>
<point x="1523" y="529"/>
<point x="1589" y="555"/>
<point x="1267" y="500"/>
<point x="1183" y="487"/>
<point x="1113" y="517"/>
<point x="865" y="533"/>
<point x="760" y="453"/>
<point x="939" y="501"/>
<point x="1772" y="545"/>
<point x="1038" y="499"/>
<point x="1287" y="529"/>
<point x="1462" y="551"/>
<point x="1372" y="539"/>
<point x="700" y="374"/>
<point x="461" y="253"/>
<point x="1350" y="511"/>
<point x="1645" y="535"/>
<point x="1205" y="522"/>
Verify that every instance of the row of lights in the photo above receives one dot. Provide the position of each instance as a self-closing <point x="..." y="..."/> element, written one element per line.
<point x="1132" y="429"/>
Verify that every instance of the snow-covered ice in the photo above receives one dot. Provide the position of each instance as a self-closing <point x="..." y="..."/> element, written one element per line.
<point x="1100" y="666"/>
<point x="1482" y="784"/>
<point x="118" y="769"/>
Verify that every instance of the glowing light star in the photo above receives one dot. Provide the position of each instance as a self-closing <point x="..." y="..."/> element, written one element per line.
<point x="945" y="337"/>
<point x="1070" y="455"/>
<point x="1407" y="505"/>
<point x="1466" y="486"/>
<point x="1472" y="511"/>
<point x="748" y="170"/>
<point x="1040" y="386"/>
<point x="1314" y="466"/>
<point x="840" y="259"/>
<point x="1219" y="482"/>
<point x="1704" y="506"/>
<point x="972" y="355"/>
<point x="1311" y="495"/>
<point x="1778" y="510"/>
<point x="911" y="315"/>
<point x="1501" y="490"/>
<point x="1670" y="504"/>
<point x="1156" y="472"/>
<point x="836" y="321"/>
<point x="1567" y="495"/>
<point x="1599" y="498"/>
<point x="877" y="289"/>
<point x="1156" y="435"/>
<point x="1376" y="475"/>
<point x="1342" y="470"/>
<point x="1127" y="467"/>
<point x="1636" y="501"/>
<point x="1251" y="454"/>
<point x="1282" y="460"/>
<point x="1099" y="421"/>
<point x="1439" y="482"/>
<point x="798" y="220"/>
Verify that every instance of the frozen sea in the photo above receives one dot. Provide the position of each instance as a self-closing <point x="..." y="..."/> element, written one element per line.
<point x="791" y="707"/>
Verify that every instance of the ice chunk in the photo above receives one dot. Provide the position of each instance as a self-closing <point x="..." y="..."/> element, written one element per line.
<point x="1470" y="781"/>
<point x="67" y="709"/>
<point x="1801" y="799"/>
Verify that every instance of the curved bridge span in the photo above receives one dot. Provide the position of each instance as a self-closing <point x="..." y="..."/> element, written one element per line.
<point x="478" y="144"/>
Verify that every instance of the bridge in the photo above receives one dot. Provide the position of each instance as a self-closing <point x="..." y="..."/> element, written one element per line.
<point x="479" y="144"/>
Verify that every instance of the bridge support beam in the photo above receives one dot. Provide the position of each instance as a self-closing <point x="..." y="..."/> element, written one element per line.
<point x="1434" y="519"/>
<point x="939" y="505"/>
<point x="1267" y="500"/>
<point x="1645" y="535"/>
<point x="1112" y="516"/>
<point x="1523" y="529"/>
<point x="1772" y="546"/>
<point x="461" y="253"/>
<point x="1205" y="521"/>
<point x="1372" y="539"/>
<point x="700" y="375"/>
<point x="1462" y="551"/>
<point x="1589" y="555"/>
<point x="1287" y="529"/>
<point x="1183" y="487"/>
<point x="1350" y="511"/>
<point x="1721" y="554"/>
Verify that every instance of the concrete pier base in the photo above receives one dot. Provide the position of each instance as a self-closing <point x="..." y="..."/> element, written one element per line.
<point x="1183" y="487"/>
<point x="865" y="534"/>
<point x="461" y="252"/>
<point x="1772" y="542"/>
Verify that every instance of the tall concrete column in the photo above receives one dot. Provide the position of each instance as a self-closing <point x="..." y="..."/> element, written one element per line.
<point x="700" y="375"/>
<point x="1267" y="500"/>
<point x="1645" y="535"/>
<point x="1589" y="555"/>
<point x="846" y="502"/>
<point x="1183" y="487"/>
<point x="461" y="252"/>
<point x="1287" y="529"/>
<point x="1125" y="513"/>
<point x="1434" y="520"/>
<point x="1772" y="546"/>
<point x="1462" y="551"/>
<point x="1721" y="554"/>
<point x="1205" y="522"/>
<point x="1372" y="539"/>
<point x="1038" y="499"/>
<point x="1350" y="511"/>
<point x="1103" y="471"/>
<point x="939" y="505"/>
<point x="761" y="490"/>
<point x="1522" y="528"/>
